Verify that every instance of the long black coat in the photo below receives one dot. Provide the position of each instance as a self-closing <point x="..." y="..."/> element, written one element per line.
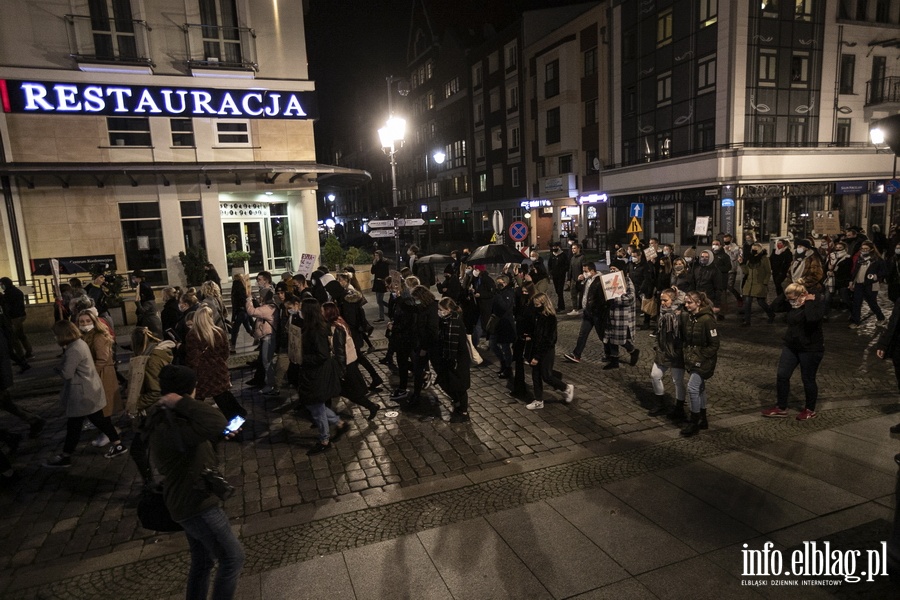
<point x="504" y="303"/>
<point x="453" y="362"/>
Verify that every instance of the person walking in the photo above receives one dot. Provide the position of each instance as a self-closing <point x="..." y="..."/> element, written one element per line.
<point x="453" y="362"/>
<point x="207" y="354"/>
<point x="542" y="352"/>
<point x="265" y="315"/>
<point x="353" y="386"/>
<point x="620" y="326"/>
<point x="709" y="279"/>
<point x="558" y="265"/>
<point x="868" y="271"/>
<point x="757" y="273"/>
<point x="804" y="345"/>
<point x="669" y="356"/>
<point x="576" y="276"/>
<point x="781" y="264"/>
<point x="239" y="316"/>
<point x="82" y="395"/>
<point x="36" y="424"/>
<point x="837" y="278"/>
<point x="504" y="331"/>
<point x="183" y="433"/>
<point x="12" y="301"/>
<point x="594" y="311"/>
<point x="701" y="349"/>
<point x="319" y="376"/>
<point x="97" y="336"/>
<point x="381" y="270"/>
<point x="525" y="315"/>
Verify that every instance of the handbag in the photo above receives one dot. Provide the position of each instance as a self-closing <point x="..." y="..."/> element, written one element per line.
<point x="491" y="325"/>
<point x="649" y="306"/>
<point x="152" y="511"/>
<point x="473" y="352"/>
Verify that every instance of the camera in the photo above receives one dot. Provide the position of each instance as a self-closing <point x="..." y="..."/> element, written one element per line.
<point x="217" y="484"/>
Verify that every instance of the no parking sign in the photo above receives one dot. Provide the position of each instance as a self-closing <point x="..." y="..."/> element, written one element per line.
<point x="518" y="231"/>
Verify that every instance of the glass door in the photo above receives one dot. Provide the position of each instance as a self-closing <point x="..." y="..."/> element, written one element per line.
<point x="249" y="237"/>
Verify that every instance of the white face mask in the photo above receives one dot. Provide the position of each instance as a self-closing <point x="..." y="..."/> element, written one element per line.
<point x="86" y="328"/>
<point x="897" y="250"/>
<point x="475" y="272"/>
<point x="443" y="313"/>
<point x="796" y="303"/>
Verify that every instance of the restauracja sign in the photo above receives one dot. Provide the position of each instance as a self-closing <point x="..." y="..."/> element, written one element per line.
<point x="37" y="97"/>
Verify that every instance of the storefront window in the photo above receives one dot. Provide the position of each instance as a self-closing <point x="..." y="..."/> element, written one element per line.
<point x="850" y="207"/>
<point x="689" y="213"/>
<point x="800" y="218"/>
<point x="762" y="217"/>
<point x="281" y="237"/>
<point x="142" y="236"/>
<point x="192" y="224"/>
<point x="661" y="223"/>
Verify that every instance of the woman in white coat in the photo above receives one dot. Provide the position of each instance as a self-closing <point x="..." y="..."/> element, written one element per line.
<point x="82" y="395"/>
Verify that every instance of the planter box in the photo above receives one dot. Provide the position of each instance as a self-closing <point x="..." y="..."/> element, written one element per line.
<point x="364" y="276"/>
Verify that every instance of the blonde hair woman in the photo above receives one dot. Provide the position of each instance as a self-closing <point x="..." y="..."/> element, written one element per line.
<point x="96" y="335"/>
<point x="542" y="351"/>
<point x="207" y="354"/>
<point x="212" y="297"/>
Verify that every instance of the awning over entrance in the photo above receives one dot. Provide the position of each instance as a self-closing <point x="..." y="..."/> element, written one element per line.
<point x="300" y="174"/>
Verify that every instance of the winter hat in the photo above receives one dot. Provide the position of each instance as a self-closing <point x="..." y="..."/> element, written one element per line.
<point x="177" y="379"/>
<point x="618" y="264"/>
<point x="805" y="243"/>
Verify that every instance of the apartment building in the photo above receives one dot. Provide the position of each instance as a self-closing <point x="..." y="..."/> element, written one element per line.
<point x="133" y="130"/>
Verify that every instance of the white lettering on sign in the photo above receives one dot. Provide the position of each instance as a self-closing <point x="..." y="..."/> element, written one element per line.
<point x="78" y="98"/>
<point x="535" y="203"/>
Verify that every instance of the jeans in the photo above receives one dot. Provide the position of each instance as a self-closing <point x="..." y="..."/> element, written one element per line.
<point x="559" y="285"/>
<point x="696" y="389"/>
<point x="748" y="307"/>
<point x="809" y="365"/>
<point x="612" y="351"/>
<point x="323" y="417"/>
<point x="503" y="352"/>
<point x="543" y="372"/>
<point x="587" y="324"/>
<point x="656" y="378"/>
<point x="379" y="298"/>
<point x="210" y="539"/>
<point x="239" y="319"/>
<point x="864" y="292"/>
<point x="267" y="358"/>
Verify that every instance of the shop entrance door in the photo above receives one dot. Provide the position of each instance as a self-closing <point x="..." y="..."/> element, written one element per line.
<point x="247" y="236"/>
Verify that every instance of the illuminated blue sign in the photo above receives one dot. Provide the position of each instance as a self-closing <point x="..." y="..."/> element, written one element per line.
<point x="37" y="97"/>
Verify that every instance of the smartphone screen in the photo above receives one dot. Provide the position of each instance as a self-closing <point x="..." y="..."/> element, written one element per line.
<point x="233" y="425"/>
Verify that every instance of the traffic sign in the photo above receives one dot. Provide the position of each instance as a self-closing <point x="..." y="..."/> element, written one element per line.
<point x="635" y="241"/>
<point x="379" y="233"/>
<point x="637" y="210"/>
<point x="410" y="222"/>
<point x="376" y="224"/>
<point x="892" y="186"/>
<point x="518" y="231"/>
<point x="635" y="226"/>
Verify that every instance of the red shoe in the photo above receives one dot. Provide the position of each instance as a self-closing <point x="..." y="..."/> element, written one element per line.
<point x="775" y="412"/>
<point x="806" y="415"/>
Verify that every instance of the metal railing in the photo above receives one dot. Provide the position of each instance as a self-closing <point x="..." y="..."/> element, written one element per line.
<point x="883" y="91"/>
<point x="220" y="47"/>
<point x="108" y="40"/>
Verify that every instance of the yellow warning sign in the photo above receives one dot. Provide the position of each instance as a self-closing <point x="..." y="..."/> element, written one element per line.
<point x="635" y="226"/>
<point x="635" y="241"/>
<point x="494" y="238"/>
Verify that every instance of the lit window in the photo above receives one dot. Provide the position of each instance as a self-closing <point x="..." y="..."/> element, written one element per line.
<point x="767" y="67"/>
<point x="803" y="10"/>
<point x="482" y="182"/>
<point x="709" y="12"/>
<point x="800" y="69"/>
<point x="476" y="76"/>
<point x="770" y="8"/>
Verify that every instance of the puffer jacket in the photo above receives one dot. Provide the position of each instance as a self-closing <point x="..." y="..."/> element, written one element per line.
<point x="265" y="315"/>
<point x="701" y="342"/>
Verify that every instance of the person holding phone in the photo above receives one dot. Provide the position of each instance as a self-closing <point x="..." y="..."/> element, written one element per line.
<point x="183" y="432"/>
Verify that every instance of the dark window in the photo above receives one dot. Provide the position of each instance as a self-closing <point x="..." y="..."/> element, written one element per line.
<point x="590" y="62"/>
<point x="182" y="132"/>
<point x="139" y="210"/>
<point x="630" y="101"/>
<point x="591" y="161"/>
<point x="551" y="79"/>
<point x="565" y="163"/>
<point x="590" y="112"/>
<point x="142" y="236"/>
<point x="883" y="11"/>
<point x="629" y="46"/>
<point x="192" y="223"/>
<point x="770" y="8"/>
<point x="221" y="36"/>
<point x="765" y="131"/>
<point x="800" y="69"/>
<point x="843" y="132"/>
<point x="553" y="129"/>
<point x="862" y="8"/>
<point x="706" y="136"/>
<point x="848" y="69"/>
<point x="128" y="131"/>
<point x="113" y="34"/>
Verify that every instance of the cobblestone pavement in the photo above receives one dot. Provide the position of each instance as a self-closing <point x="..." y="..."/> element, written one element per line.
<point x="55" y="520"/>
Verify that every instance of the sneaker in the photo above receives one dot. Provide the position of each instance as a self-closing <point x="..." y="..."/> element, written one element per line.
<point x="319" y="448"/>
<point x="535" y="404"/>
<point x="634" y="357"/>
<point x="87" y="426"/>
<point x="806" y="415"/>
<point x="399" y="394"/>
<point x="570" y="393"/>
<point x="269" y="392"/>
<point x="60" y="461"/>
<point x="342" y="429"/>
<point x="101" y="441"/>
<point x="571" y="358"/>
<point x="459" y="417"/>
<point x="653" y="334"/>
<point x="574" y="312"/>
<point x="116" y="450"/>
<point x="373" y="412"/>
<point x="775" y="412"/>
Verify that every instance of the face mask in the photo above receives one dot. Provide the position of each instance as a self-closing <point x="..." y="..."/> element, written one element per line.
<point x="704" y="261"/>
<point x="801" y="251"/>
<point x="293" y="312"/>
<point x="86" y="328"/>
<point x="476" y="272"/>
<point x="665" y="252"/>
<point x="716" y="248"/>
<point x="2" y="288"/>
<point x="897" y="251"/>
<point x="443" y="313"/>
<point x="796" y="303"/>
<point x="688" y="259"/>
<point x="864" y="253"/>
<point x="679" y="268"/>
<point x="754" y="252"/>
<point x="468" y="271"/>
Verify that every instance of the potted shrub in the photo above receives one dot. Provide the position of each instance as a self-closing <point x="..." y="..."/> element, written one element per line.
<point x="237" y="259"/>
<point x="332" y="253"/>
<point x="194" y="263"/>
<point x="362" y="263"/>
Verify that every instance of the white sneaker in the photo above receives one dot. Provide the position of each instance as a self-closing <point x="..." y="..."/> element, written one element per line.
<point x="535" y="404"/>
<point x="574" y="312"/>
<point x="101" y="441"/>
<point x="570" y="393"/>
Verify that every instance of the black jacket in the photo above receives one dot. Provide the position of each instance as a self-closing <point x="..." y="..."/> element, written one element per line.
<point x="804" y="331"/>
<point x="544" y="338"/>
<point x="559" y="266"/>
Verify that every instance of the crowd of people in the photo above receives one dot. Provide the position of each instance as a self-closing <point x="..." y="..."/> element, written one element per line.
<point x="311" y="334"/>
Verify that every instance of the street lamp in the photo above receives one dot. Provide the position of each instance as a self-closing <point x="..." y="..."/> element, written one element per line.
<point x="391" y="140"/>
<point x="439" y="158"/>
<point x="331" y="203"/>
<point x="887" y="131"/>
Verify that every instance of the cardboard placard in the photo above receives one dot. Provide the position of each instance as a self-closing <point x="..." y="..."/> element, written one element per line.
<point x="701" y="226"/>
<point x="613" y="285"/>
<point x="295" y="344"/>
<point x="827" y="222"/>
<point x="650" y="253"/>
<point x="307" y="264"/>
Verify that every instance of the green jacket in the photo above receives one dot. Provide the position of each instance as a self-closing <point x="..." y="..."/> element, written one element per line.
<point x="701" y="342"/>
<point x="182" y="446"/>
<point x="757" y="274"/>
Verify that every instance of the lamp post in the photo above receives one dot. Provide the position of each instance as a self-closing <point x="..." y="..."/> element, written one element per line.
<point x="887" y="131"/>
<point x="391" y="136"/>
<point x="439" y="158"/>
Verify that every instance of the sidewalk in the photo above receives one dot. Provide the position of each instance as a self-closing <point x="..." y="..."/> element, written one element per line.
<point x="591" y="498"/>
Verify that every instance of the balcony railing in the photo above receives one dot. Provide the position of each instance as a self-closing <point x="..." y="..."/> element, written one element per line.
<point x="123" y="41"/>
<point x="221" y="47"/>
<point x="883" y="91"/>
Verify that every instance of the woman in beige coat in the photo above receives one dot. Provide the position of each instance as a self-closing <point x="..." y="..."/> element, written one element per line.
<point x="96" y="335"/>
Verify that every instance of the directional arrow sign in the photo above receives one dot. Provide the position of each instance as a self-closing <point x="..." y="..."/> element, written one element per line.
<point x="410" y="222"/>
<point x="635" y="226"/>
<point x="377" y="233"/>
<point x="388" y="223"/>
